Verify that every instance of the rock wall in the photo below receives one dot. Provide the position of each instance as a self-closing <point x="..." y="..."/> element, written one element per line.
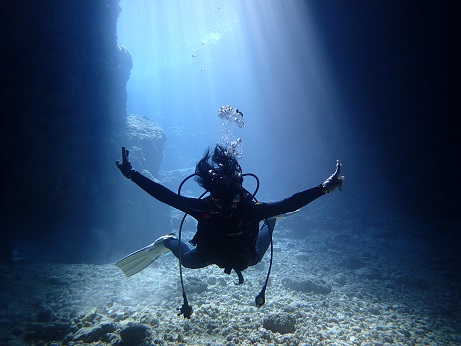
<point x="63" y="105"/>
<point x="146" y="139"/>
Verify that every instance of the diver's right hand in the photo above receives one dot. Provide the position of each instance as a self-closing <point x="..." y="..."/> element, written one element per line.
<point x="125" y="166"/>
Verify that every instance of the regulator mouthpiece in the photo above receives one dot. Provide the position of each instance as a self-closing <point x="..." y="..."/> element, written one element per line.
<point x="260" y="299"/>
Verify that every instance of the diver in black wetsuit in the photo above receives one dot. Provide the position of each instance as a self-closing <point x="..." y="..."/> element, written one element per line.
<point x="228" y="233"/>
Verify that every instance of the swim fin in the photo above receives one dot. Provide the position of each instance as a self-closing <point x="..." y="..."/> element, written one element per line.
<point x="138" y="260"/>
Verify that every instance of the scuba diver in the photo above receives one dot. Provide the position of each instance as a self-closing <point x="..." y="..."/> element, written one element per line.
<point x="228" y="232"/>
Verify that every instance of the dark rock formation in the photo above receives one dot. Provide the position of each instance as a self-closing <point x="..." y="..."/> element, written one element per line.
<point x="134" y="333"/>
<point x="409" y="281"/>
<point x="282" y="323"/>
<point x="63" y="98"/>
<point x="95" y="332"/>
<point x="372" y="273"/>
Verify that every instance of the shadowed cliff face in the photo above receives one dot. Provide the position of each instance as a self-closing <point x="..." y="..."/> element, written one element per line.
<point x="63" y="100"/>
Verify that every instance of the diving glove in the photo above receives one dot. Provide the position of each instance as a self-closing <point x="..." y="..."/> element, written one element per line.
<point x="125" y="166"/>
<point x="334" y="181"/>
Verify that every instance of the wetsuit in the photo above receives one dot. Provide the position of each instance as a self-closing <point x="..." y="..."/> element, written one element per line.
<point x="231" y="243"/>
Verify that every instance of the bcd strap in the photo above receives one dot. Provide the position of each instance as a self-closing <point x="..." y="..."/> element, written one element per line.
<point x="228" y="270"/>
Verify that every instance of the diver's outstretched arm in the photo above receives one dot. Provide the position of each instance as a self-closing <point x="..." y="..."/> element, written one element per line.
<point x="300" y="199"/>
<point x="334" y="181"/>
<point x="156" y="190"/>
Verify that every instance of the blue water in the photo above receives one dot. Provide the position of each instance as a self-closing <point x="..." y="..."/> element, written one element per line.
<point x="263" y="58"/>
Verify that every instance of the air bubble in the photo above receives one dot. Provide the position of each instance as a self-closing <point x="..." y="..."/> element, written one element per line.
<point x="233" y="123"/>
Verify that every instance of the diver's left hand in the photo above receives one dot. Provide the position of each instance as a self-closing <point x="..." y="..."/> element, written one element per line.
<point x="334" y="181"/>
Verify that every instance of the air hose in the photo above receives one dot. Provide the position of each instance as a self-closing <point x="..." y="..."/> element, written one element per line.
<point x="261" y="297"/>
<point x="185" y="309"/>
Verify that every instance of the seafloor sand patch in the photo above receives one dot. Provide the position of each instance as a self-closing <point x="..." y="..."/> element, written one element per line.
<point x="327" y="289"/>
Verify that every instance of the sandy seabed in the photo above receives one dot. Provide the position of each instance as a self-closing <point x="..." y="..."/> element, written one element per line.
<point x="330" y="288"/>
